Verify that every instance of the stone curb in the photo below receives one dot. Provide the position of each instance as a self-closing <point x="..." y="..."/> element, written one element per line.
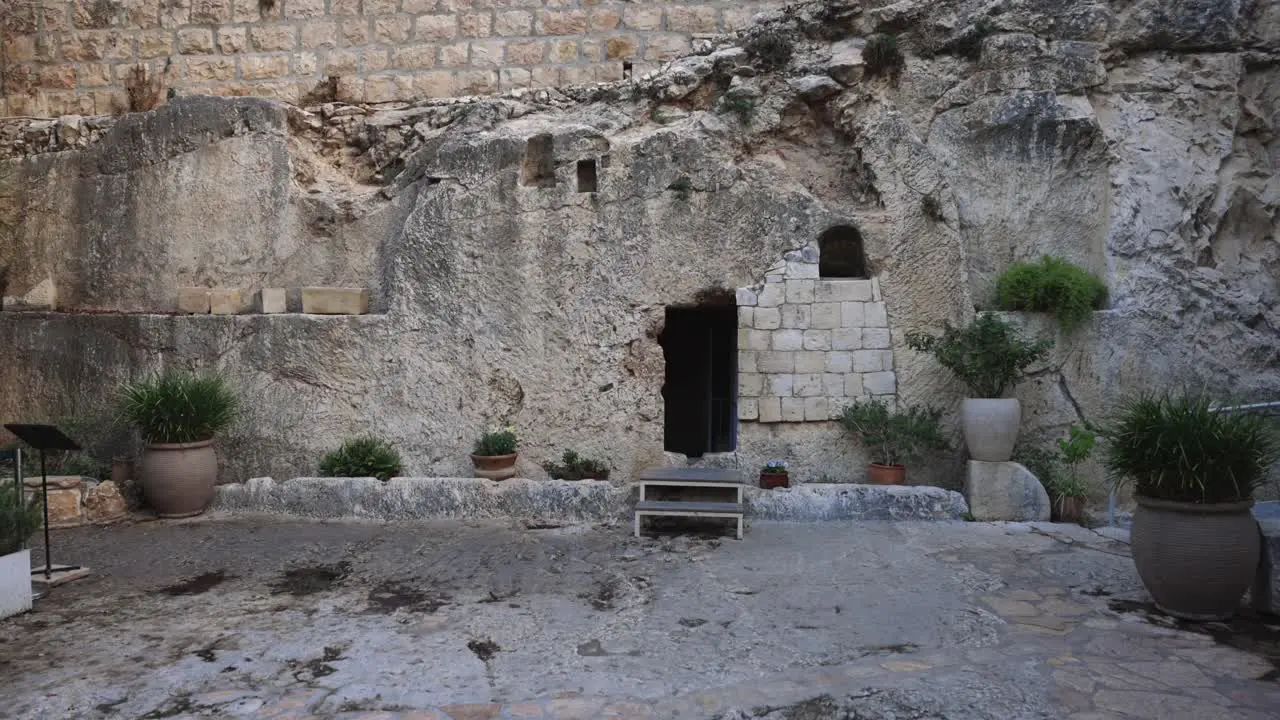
<point x="587" y="501"/>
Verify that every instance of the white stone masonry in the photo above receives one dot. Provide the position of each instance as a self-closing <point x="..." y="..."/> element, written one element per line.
<point x="808" y="345"/>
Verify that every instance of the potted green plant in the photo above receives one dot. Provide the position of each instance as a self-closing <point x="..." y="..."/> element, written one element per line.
<point x="19" y="518"/>
<point x="893" y="437"/>
<point x="774" y="475"/>
<point x="178" y="415"/>
<point x="366" y="456"/>
<point x="574" y="467"/>
<point x="1069" y="491"/>
<point x="990" y="357"/>
<point x="494" y="455"/>
<point x="1194" y="471"/>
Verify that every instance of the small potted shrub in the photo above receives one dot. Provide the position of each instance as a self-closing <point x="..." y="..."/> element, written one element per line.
<point x="990" y="357"/>
<point x="178" y="415"/>
<point x="774" y="475"/>
<point x="575" y="467"/>
<point x="366" y="456"/>
<point x="494" y="455"/>
<point x="19" y="518"/>
<point x="1194" y="471"/>
<point x="1069" y="491"/>
<point x="1052" y="285"/>
<point x="893" y="438"/>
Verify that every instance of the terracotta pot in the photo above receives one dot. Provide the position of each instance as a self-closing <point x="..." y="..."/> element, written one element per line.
<point x="1196" y="560"/>
<point x="177" y="479"/>
<point x="121" y="471"/>
<point x="769" y="481"/>
<point x="1068" y="509"/>
<point x="990" y="427"/>
<point x="495" y="467"/>
<point x="887" y="474"/>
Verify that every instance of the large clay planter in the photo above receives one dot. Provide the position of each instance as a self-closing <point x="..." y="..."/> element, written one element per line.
<point x="495" y="467"/>
<point x="887" y="474"/>
<point x="1196" y="560"/>
<point x="991" y="427"/>
<point x="177" y="479"/>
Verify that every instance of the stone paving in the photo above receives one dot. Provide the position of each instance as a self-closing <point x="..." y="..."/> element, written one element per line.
<point x="868" y="620"/>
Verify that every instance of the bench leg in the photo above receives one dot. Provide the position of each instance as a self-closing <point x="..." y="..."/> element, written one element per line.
<point x="637" y="524"/>
<point x="739" y="527"/>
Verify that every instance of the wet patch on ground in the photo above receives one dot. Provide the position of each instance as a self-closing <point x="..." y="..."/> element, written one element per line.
<point x="390" y="595"/>
<point x="484" y="648"/>
<point x="1247" y="631"/>
<point x="309" y="671"/>
<point x="198" y="584"/>
<point x="303" y="581"/>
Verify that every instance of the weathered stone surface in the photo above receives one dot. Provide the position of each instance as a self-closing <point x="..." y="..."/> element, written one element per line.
<point x="829" y="501"/>
<point x="272" y="300"/>
<point x="417" y="498"/>
<point x="335" y="301"/>
<point x="529" y="302"/>
<point x="194" y="300"/>
<point x="228" y="301"/>
<point x="64" y="496"/>
<point x="103" y="503"/>
<point x="1004" y="491"/>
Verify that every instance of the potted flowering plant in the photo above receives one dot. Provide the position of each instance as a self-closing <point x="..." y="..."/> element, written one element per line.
<point x="774" y="475"/>
<point x="494" y="455"/>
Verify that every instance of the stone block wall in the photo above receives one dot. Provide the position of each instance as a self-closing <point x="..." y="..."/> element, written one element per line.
<point x="76" y="56"/>
<point x="808" y="345"/>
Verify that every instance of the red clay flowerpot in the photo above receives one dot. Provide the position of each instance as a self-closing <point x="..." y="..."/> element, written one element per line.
<point x="769" y="481"/>
<point x="887" y="474"/>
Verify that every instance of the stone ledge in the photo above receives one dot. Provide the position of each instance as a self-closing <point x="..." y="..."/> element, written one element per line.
<point x="824" y="502"/>
<point x="586" y="501"/>
<point x="429" y="498"/>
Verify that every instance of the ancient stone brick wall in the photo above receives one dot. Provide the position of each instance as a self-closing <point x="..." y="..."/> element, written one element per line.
<point x="808" y="345"/>
<point x="80" y="56"/>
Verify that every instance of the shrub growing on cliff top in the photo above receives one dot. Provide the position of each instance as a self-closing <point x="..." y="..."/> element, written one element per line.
<point x="1052" y="285"/>
<point x="362" y="457"/>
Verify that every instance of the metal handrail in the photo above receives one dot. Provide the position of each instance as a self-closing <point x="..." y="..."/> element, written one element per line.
<point x="1251" y="406"/>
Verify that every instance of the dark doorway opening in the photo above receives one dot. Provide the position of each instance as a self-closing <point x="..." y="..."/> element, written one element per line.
<point x="700" y="394"/>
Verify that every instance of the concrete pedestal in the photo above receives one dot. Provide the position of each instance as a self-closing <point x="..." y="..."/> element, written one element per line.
<point x="1004" y="491"/>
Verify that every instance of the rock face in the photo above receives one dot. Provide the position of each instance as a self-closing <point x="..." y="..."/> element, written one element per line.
<point x="522" y="251"/>
<point x="1005" y="491"/>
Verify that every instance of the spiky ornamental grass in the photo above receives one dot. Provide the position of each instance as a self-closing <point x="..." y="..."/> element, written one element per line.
<point x="179" y="407"/>
<point x="1177" y="448"/>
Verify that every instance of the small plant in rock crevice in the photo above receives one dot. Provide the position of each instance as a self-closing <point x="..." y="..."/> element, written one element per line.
<point x="882" y="57"/>
<point x="1051" y="285"/>
<point x="366" y="456"/>
<point x="496" y="442"/>
<point x="574" y="467"/>
<point x="681" y="187"/>
<point x="931" y="208"/>
<point x="743" y="107"/>
<point x="770" y="48"/>
<point x="969" y="44"/>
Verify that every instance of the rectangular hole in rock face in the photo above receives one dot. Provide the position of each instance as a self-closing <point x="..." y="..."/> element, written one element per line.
<point x="540" y="161"/>
<point x="586" y="176"/>
<point x="626" y="69"/>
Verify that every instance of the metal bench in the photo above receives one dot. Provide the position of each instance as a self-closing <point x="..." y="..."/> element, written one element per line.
<point x="687" y="489"/>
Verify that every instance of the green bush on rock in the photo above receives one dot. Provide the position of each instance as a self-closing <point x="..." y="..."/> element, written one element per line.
<point x="1052" y="285"/>
<point x="362" y="457"/>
